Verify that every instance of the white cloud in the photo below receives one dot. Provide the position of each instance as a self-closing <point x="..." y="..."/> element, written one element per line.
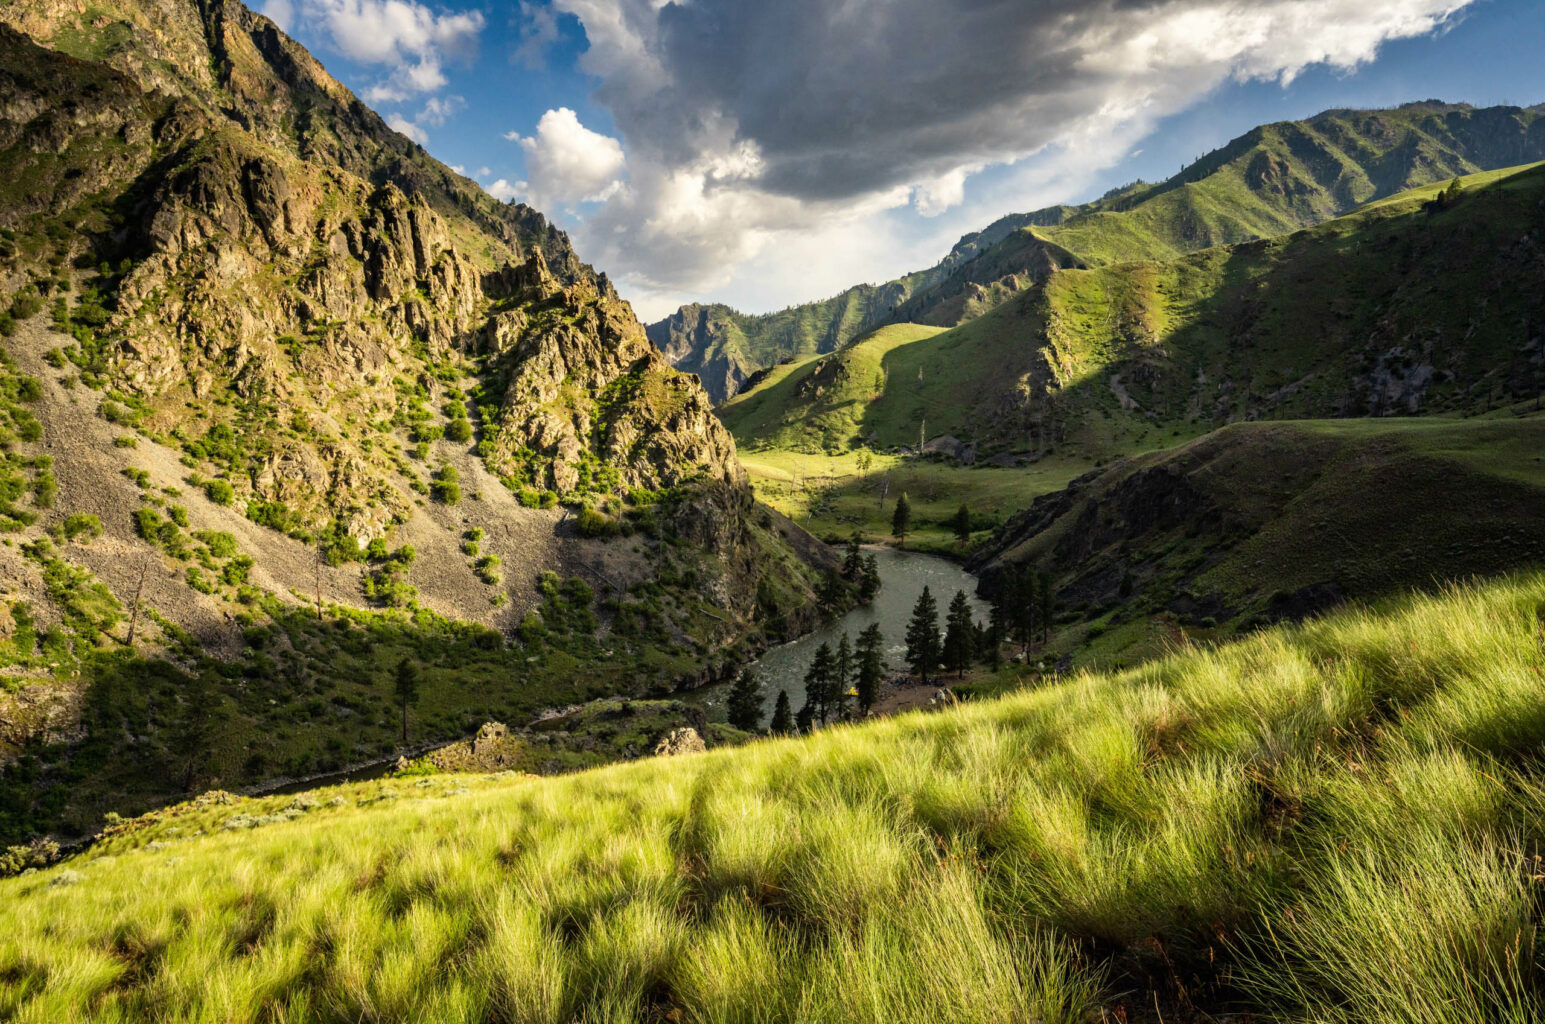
<point x="411" y="41"/>
<point x="408" y="128"/>
<point x="752" y="129"/>
<point x="439" y="109"/>
<point x="506" y="191"/>
<point x="538" y="30"/>
<point x="280" y="12"/>
<point x="568" y="163"/>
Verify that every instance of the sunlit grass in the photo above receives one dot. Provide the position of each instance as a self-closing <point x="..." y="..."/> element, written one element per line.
<point x="1332" y="822"/>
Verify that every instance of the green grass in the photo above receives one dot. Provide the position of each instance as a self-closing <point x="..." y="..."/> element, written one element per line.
<point x="1335" y="822"/>
<point x="821" y="403"/>
<point x="831" y="497"/>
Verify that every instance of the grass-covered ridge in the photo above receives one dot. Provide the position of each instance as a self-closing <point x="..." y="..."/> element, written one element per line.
<point x="1410" y="306"/>
<point x="1273" y="180"/>
<point x="1331" y="822"/>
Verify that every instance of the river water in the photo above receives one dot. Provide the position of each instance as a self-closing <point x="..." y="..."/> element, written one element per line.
<point x="903" y="576"/>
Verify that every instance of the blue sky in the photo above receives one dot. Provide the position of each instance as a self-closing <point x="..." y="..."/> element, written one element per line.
<point x="771" y="153"/>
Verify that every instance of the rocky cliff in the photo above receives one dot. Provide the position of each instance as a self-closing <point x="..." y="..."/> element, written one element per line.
<point x="277" y="373"/>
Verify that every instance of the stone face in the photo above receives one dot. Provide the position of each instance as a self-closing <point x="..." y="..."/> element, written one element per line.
<point x="270" y="267"/>
<point x="680" y="741"/>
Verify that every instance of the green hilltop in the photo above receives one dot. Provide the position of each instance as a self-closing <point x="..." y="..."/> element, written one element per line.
<point x="1273" y="180"/>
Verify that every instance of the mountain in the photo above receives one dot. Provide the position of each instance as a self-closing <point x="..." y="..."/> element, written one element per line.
<point x="291" y="409"/>
<point x="1273" y="180"/>
<point x="1422" y="303"/>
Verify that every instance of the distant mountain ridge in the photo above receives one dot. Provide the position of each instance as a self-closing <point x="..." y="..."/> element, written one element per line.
<point x="1272" y="180"/>
<point x="1424" y="302"/>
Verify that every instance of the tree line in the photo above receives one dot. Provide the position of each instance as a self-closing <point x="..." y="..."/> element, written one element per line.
<point x="846" y="678"/>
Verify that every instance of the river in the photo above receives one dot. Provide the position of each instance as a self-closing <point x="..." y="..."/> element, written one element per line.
<point x="903" y="575"/>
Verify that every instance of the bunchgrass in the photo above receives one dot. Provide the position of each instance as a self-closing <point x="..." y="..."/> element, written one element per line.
<point x="1332" y="822"/>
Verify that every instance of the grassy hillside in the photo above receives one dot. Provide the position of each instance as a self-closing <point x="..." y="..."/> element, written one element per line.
<point x="1273" y="180"/>
<point x="1333" y="822"/>
<point x="831" y="496"/>
<point x="819" y="403"/>
<point x="1263" y="521"/>
<point x="1416" y="304"/>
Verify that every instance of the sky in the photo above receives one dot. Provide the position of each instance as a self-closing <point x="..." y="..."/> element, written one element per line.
<point x="764" y="153"/>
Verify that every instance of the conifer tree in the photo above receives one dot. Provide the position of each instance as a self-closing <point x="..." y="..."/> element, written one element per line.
<point x="835" y="595"/>
<point x="923" y="636"/>
<point x="961" y="524"/>
<point x="853" y="562"/>
<point x="745" y="703"/>
<point x="782" y="719"/>
<point x="901" y="519"/>
<point x="406" y="690"/>
<point x="869" y="584"/>
<point x="819" y="682"/>
<point x="842" y="676"/>
<point x="959" y="634"/>
<point x="1046" y="603"/>
<point x="870" y="666"/>
<point x="804" y="720"/>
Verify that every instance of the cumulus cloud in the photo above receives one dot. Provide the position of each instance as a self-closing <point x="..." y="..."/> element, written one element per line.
<point x="568" y="163"/>
<point x="748" y="123"/>
<point x="410" y="41"/>
<point x="408" y="128"/>
<point x="505" y="191"/>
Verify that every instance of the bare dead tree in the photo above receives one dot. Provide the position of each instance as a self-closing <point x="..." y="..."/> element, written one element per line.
<point x="139" y="592"/>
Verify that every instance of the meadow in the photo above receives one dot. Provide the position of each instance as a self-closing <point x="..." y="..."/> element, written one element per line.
<point x="830" y="495"/>
<point x="1337" y="821"/>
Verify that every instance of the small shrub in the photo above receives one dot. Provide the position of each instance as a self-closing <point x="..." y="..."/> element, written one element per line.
<point x="81" y="524"/>
<point x="220" y="492"/>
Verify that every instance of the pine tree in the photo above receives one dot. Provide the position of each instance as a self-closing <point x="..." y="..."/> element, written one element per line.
<point x="869" y="584"/>
<point x="901" y="519"/>
<point x="819" y="682"/>
<point x="1046" y="602"/>
<point x="406" y="690"/>
<point x="836" y="597"/>
<point x="745" y="703"/>
<point x="804" y="721"/>
<point x="871" y="665"/>
<point x="853" y="563"/>
<point x="923" y="636"/>
<point x="782" y="719"/>
<point x="842" y="675"/>
<point x="959" y="634"/>
<point x="962" y="524"/>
